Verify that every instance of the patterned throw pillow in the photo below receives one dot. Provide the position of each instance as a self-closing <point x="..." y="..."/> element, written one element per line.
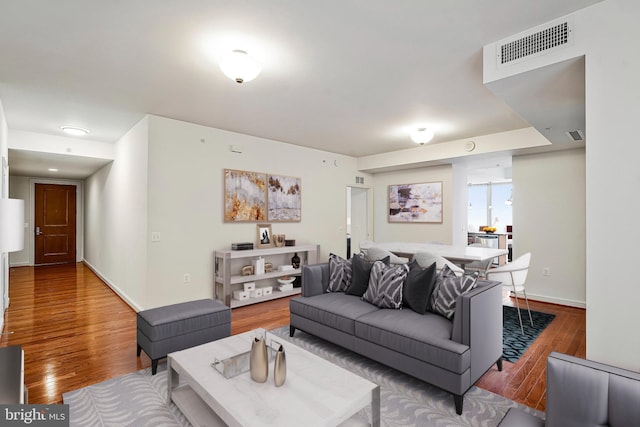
<point x="449" y="290"/>
<point x="385" y="285"/>
<point x="437" y="281"/>
<point x="339" y="273"/>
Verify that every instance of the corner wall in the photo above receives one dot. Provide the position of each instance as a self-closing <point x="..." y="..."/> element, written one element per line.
<point x="116" y="217"/>
<point x="549" y="221"/>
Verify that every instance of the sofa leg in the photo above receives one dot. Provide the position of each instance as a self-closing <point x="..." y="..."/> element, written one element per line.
<point x="139" y="351"/>
<point x="458" y="400"/>
<point x="154" y="366"/>
<point x="292" y="330"/>
<point x="499" y="364"/>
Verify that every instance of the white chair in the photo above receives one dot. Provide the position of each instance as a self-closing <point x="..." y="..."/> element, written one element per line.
<point x="425" y="259"/>
<point x="513" y="276"/>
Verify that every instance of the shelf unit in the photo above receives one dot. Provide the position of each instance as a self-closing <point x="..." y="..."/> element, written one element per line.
<point x="228" y="278"/>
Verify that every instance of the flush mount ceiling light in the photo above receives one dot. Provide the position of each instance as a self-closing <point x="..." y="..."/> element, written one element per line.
<point x="422" y="135"/>
<point x="75" y="131"/>
<point x="239" y="66"/>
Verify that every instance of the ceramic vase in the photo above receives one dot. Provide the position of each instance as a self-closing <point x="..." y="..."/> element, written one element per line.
<point x="295" y="260"/>
<point x="259" y="361"/>
<point x="280" y="367"/>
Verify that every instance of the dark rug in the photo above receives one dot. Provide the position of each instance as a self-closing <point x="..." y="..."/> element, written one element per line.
<point x="514" y="344"/>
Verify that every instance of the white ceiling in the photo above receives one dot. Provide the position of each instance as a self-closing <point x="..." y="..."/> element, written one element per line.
<point x="350" y="77"/>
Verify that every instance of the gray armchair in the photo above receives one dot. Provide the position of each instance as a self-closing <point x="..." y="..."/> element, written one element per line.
<point x="583" y="393"/>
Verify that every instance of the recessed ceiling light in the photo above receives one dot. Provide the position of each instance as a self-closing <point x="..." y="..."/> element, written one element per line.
<point x="53" y="170"/>
<point x="75" y="131"/>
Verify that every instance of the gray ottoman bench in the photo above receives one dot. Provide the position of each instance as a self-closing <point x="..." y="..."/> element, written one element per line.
<point x="176" y="327"/>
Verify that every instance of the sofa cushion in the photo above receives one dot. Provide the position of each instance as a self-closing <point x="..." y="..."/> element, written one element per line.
<point x="423" y="337"/>
<point x="418" y="287"/>
<point x="447" y="291"/>
<point x="339" y="273"/>
<point x="385" y="285"/>
<point x="335" y="310"/>
<point x="360" y="271"/>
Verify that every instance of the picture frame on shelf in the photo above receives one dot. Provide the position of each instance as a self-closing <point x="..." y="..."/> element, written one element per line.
<point x="264" y="236"/>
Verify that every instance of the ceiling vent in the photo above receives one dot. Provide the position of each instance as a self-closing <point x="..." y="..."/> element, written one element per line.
<point x="575" y="135"/>
<point x="535" y="43"/>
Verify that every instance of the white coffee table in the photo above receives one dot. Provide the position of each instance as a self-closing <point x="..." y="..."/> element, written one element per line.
<point x="316" y="392"/>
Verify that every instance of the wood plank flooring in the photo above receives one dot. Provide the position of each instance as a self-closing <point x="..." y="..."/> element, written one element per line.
<point x="75" y="331"/>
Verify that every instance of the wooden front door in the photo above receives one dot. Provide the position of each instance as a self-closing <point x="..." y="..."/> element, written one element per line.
<point x="55" y="224"/>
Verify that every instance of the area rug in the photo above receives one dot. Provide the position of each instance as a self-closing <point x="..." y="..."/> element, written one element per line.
<point x="139" y="399"/>
<point x="514" y="343"/>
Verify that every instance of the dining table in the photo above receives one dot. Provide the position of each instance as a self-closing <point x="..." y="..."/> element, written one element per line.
<point x="457" y="254"/>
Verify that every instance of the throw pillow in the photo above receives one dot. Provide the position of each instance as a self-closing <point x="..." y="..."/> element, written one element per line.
<point x="419" y="286"/>
<point x="360" y="271"/>
<point x="385" y="285"/>
<point x="448" y="292"/>
<point x="444" y="272"/>
<point x="339" y="273"/>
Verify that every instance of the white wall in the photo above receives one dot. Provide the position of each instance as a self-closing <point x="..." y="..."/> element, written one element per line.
<point x="549" y="222"/>
<point x="116" y="217"/>
<point x="613" y="178"/>
<point x="86" y="147"/>
<point x="413" y="232"/>
<point x="186" y="193"/>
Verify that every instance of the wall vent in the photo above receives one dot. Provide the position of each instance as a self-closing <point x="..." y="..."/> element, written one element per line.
<point x="359" y="179"/>
<point x="539" y="42"/>
<point x="575" y="135"/>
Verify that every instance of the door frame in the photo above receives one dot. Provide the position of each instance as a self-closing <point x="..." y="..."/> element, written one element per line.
<point x="370" y="215"/>
<point x="29" y="244"/>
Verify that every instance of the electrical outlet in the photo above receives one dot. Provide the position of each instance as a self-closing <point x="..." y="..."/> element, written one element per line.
<point x="186" y="278"/>
<point x="155" y="236"/>
<point x="546" y="271"/>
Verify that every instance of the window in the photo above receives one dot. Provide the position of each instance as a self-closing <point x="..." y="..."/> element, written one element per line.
<point x="489" y="204"/>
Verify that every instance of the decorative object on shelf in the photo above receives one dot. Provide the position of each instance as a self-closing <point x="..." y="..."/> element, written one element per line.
<point x="247" y="270"/>
<point x="295" y="260"/>
<point x="245" y="246"/>
<point x="415" y="202"/>
<point x="297" y="282"/>
<point x="280" y="367"/>
<point x="268" y="267"/>
<point x="285" y="280"/>
<point x="290" y="242"/>
<point x="283" y="198"/>
<point x="279" y="239"/>
<point x="259" y="362"/>
<point x="489" y="229"/>
<point x="249" y="286"/>
<point x="245" y="196"/>
<point x="264" y="236"/>
<point x="258" y="266"/>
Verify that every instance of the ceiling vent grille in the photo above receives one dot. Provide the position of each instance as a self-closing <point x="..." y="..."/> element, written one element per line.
<point x="537" y="43"/>
<point x="576" y="135"/>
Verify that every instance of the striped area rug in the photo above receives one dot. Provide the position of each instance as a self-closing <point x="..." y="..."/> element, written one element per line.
<point x="139" y="399"/>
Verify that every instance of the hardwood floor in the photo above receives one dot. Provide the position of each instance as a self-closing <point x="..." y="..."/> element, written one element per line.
<point x="75" y="331"/>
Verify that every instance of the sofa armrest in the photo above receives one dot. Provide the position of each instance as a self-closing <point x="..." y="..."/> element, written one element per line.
<point x="315" y="279"/>
<point x="584" y="392"/>
<point x="477" y="323"/>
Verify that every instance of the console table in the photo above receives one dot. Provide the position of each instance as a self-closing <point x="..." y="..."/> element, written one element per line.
<point x="12" y="388"/>
<point x="228" y="265"/>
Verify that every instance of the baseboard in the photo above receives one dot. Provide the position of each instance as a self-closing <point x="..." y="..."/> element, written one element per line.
<point x="552" y="300"/>
<point x="113" y="287"/>
<point x="20" y="264"/>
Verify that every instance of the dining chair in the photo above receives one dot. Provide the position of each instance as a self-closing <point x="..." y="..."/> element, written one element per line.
<point x="513" y="277"/>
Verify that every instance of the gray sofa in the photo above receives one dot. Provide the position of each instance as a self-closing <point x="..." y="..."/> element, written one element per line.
<point x="582" y="393"/>
<point x="451" y="355"/>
